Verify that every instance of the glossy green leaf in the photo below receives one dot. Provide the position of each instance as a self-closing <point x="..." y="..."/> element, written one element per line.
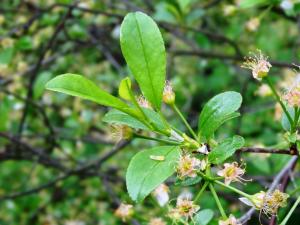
<point x="203" y="217"/>
<point x="218" y="110"/>
<point x="117" y="117"/>
<point x="143" y="48"/>
<point x="225" y="149"/>
<point x="124" y="89"/>
<point x="145" y="174"/>
<point x="155" y="118"/>
<point x="79" y="86"/>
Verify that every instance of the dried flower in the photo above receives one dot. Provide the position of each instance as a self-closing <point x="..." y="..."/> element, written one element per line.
<point x="230" y="221"/>
<point x="124" y="212"/>
<point x="161" y="193"/>
<point x="188" y="166"/>
<point x="203" y="149"/>
<point x="168" y="94"/>
<point x="121" y="132"/>
<point x="273" y="201"/>
<point x="157" y="221"/>
<point x="293" y="96"/>
<point x="253" y="24"/>
<point x="259" y="65"/>
<point x="186" y="208"/>
<point x="143" y="102"/>
<point x="256" y="200"/>
<point x="231" y="172"/>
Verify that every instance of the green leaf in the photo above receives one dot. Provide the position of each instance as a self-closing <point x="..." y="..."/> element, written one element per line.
<point x="39" y="84"/>
<point x="284" y="120"/>
<point x="155" y="118"/>
<point x="145" y="174"/>
<point x="203" y="217"/>
<point x="125" y="88"/>
<point x="188" y="181"/>
<point x="218" y="110"/>
<point x="225" y="149"/>
<point x="79" y="86"/>
<point x="6" y="55"/>
<point x="144" y="51"/>
<point x="117" y="117"/>
<point x="253" y="3"/>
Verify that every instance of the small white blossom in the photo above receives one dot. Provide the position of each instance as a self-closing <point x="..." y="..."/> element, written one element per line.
<point x="161" y="194"/>
<point x="230" y="221"/>
<point x="231" y="172"/>
<point x="124" y="212"/>
<point x="259" y="65"/>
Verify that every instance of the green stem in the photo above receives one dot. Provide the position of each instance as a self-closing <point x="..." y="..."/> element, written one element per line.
<point x="232" y="188"/>
<point x="212" y="189"/>
<point x="290" y="212"/>
<point x="201" y="192"/>
<point x="184" y="121"/>
<point x="297" y="114"/>
<point x="156" y="139"/>
<point x="280" y="102"/>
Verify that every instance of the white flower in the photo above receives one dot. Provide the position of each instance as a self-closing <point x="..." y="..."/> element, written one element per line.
<point x="230" y="221"/>
<point x="188" y="166"/>
<point x="124" y="212"/>
<point x="186" y="208"/>
<point x="259" y="65"/>
<point x="161" y="193"/>
<point x="231" y="172"/>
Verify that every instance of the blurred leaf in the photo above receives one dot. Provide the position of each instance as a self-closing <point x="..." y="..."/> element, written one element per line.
<point x="6" y="55"/>
<point x="145" y="174"/>
<point x="39" y="84"/>
<point x="117" y="117"/>
<point x="225" y="149"/>
<point x="143" y="48"/>
<point x="284" y="120"/>
<point x="125" y="88"/>
<point x="253" y="3"/>
<point x="203" y="217"/>
<point x="218" y="110"/>
<point x="24" y="43"/>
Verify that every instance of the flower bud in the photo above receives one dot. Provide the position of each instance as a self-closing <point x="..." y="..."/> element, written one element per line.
<point x="168" y="94"/>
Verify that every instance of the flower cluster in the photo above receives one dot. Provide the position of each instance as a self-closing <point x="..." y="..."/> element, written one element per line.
<point x="273" y="201"/>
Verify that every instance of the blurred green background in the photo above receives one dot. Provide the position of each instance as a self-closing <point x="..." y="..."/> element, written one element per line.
<point x="206" y="41"/>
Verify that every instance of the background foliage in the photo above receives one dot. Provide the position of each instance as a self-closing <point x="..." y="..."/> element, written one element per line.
<point x="59" y="163"/>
